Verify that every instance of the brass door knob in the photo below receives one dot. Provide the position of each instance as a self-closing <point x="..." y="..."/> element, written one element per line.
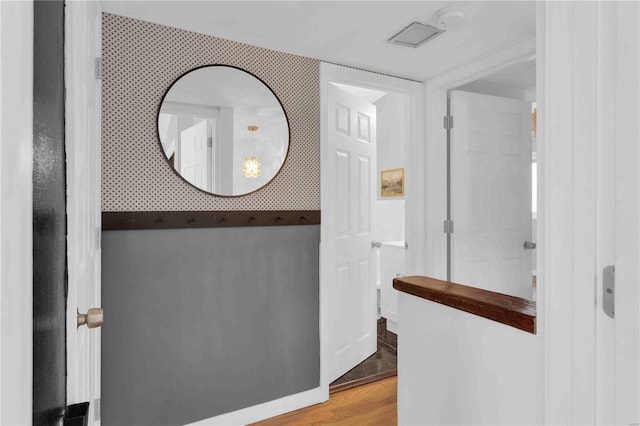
<point x="92" y="319"/>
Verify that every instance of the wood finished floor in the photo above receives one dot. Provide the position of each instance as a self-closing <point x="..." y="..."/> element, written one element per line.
<point x="373" y="404"/>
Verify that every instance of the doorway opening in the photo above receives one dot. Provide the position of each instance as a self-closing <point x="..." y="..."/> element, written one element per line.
<point x="369" y="123"/>
<point x="373" y="148"/>
<point x="492" y="181"/>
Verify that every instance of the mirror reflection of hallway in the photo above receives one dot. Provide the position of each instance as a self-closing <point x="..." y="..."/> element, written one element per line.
<point x="223" y="130"/>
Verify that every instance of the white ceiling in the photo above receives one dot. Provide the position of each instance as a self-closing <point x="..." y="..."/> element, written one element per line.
<point x="516" y="81"/>
<point x="364" y="93"/>
<point x="223" y="87"/>
<point x="352" y="33"/>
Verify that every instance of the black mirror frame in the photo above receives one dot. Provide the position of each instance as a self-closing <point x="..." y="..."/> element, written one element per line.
<point x="286" y="116"/>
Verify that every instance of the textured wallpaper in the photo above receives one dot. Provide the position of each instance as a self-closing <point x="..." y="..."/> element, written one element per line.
<point x="140" y="61"/>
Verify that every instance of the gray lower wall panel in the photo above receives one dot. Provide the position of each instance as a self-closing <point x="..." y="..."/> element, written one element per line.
<point x="201" y="322"/>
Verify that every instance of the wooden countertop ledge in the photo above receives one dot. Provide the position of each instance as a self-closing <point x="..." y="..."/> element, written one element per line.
<point x="510" y="310"/>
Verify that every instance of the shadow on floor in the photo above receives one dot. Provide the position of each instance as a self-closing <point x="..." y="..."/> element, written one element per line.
<point x="381" y="364"/>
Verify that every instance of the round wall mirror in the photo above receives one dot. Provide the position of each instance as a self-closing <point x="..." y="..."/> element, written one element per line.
<point x="223" y="130"/>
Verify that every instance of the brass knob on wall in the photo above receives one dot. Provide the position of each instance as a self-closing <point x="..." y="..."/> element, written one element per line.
<point x="92" y="319"/>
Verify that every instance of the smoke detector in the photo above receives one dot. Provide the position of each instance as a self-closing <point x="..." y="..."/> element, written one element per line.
<point x="415" y="35"/>
<point x="449" y="17"/>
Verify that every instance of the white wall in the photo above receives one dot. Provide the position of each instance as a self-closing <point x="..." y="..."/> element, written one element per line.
<point x="16" y="157"/>
<point x="459" y="368"/>
<point x="392" y="131"/>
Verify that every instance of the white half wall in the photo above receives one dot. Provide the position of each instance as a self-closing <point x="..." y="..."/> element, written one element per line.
<point x="455" y="368"/>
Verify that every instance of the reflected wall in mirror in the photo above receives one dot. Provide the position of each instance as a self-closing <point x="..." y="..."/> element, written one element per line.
<point x="223" y="130"/>
<point x="493" y="182"/>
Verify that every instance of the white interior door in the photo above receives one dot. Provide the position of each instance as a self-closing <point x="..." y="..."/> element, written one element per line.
<point x="193" y="154"/>
<point x="491" y="193"/>
<point x="82" y="27"/>
<point x="348" y="167"/>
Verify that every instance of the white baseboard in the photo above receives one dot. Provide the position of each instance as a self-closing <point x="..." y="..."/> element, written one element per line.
<point x="268" y="409"/>
<point x="392" y="326"/>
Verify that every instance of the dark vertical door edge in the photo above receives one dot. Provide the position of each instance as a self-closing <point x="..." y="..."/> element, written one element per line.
<point x="49" y="215"/>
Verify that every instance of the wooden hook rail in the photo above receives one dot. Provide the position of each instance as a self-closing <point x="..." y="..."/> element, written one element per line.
<point x="207" y="219"/>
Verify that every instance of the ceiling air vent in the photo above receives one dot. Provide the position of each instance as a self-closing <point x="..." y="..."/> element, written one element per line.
<point x="415" y="35"/>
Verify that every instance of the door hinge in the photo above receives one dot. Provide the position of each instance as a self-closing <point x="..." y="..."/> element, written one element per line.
<point x="210" y="142"/>
<point x="447" y="122"/>
<point x="98" y="69"/>
<point x="448" y="226"/>
<point x="98" y="238"/>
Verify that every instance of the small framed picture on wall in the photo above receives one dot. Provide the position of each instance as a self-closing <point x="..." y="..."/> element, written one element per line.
<point x="392" y="183"/>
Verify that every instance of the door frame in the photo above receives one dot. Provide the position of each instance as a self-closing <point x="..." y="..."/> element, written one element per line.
<point x="83" y="153"/>
<point x="16" y="228"/>
<point x="593" y="113"/>
<point x="436" y="91"/>
<point x="414" y="172"/>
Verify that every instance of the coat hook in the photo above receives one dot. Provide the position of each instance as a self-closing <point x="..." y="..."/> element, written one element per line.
<point x="159" y="220"/>
<point x="223" y="220"/>
<point x="192" y="220"/>
<point x="303" y="218"/>
<point x="252" y="219"/>
<point x="278" y="219"/>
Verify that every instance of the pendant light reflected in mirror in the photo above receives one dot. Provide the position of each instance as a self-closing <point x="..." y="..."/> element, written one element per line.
<point x="251" y="164"/>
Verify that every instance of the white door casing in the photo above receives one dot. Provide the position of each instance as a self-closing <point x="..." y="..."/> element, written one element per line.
<point x="193" y="157"/>
<point x="591" y="208"/>
<point x="627" y="334"/>
<point x="618" y="339"/>
<point x="351" y="156"/>
<point x="16" y="212"/>
<point x="83" y="89"/>
<point x="491" y="193"/>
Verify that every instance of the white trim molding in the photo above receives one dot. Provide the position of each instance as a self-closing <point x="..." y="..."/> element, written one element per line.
<point x="479" y="67"/>
<point x="266" y="410"/>
<point x="589" y="118"/>
<point x="16" y="242"/>
<point x="568" y="209"/>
